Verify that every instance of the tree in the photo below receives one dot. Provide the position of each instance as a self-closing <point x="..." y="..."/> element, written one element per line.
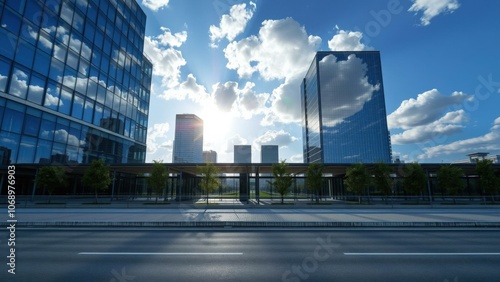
<point x="382" y="178"/>
<point x="209" y="182"/>
<point x="450" y="179"/>
<point x="415" y="179"/>
<point x="314" y="178"/>
<point x="158" y="178"/>
<point x="97" y="177"/>
<point x="51" y="178"/>
<point x="488" y="181"/>
<point x="282" y="179"/>
<point x="357" y="179"/>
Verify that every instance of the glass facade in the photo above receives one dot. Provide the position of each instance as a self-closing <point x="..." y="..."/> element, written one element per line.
<point x="242" y="154"/>
<point x="343" y="109"/>
<point x="269" y="154"/>
<point x="74" y="83"/>
<point x="188" y="142"/>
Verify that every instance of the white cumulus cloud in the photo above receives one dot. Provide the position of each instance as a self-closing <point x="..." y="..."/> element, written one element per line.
<point x="487" y="142"/>
<point x="432" y="8"/>
<point x="428" y="107"/>
<point x="155" y="5"/>
<point x="167" y="60"/>
<point x="346" y="40"/>
<point x="274" y="137"/>
<point x="233" y="24"/>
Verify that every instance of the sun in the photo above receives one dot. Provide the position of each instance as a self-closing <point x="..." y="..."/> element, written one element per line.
<point x="216" y="127"/>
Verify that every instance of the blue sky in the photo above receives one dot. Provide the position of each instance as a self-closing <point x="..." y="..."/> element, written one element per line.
<point x="238" y="65"/>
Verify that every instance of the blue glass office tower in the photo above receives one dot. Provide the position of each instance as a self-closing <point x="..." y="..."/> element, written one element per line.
<point x="343" y="109"/>
<point x="74" y="83"/>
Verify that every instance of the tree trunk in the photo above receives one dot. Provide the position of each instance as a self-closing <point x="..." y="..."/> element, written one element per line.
<point x="359" y="199"/>
<point x="96" y="196"/>
<point x="282" y="199"/>
<point x="50" y="197"/>
<point x="317" y="197"/>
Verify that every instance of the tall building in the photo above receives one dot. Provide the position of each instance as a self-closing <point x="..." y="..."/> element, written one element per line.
<point x="188" y="142"/>
<point x="269" y="154"/>
<point x="74" y="83"/>
<point x="242" y="154"/>
<point x="210" y="157"/>
<point x="343" y="109"/>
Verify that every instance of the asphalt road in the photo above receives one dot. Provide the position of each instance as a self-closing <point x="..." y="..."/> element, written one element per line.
<point x="342" y="255"/>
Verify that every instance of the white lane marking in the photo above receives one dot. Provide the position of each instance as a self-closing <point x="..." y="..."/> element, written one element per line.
<point x="157" y="254"/>
<point x="422" y="254"/>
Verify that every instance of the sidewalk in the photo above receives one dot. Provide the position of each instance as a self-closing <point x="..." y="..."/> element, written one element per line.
<point x="179" y="215"/>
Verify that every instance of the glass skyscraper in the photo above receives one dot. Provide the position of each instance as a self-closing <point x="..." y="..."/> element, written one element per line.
<point x="74" y="83"/>
<point x="269" y="154"/>
<point x="188" y="142"/>
<point x="343" y="109"/>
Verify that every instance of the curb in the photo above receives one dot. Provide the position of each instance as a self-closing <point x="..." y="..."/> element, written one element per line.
<point x="255" y="224"/>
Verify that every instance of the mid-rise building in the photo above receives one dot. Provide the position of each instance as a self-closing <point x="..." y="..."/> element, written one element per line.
<point x="188" y="142"/>
<point x="210" y="157"/>
<point x="74" y="83"/>
<point x="343" y="109"/>
<point x="242" y="154"/>
<point x="269" y="154"/>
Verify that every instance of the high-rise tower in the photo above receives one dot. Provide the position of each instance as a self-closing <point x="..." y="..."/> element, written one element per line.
<point x="74" y="83"/>
<point x="343" y="109"/>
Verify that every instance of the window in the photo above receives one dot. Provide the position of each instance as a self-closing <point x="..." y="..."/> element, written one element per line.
<point x="61" y="132"/>
<point x="32" y="125"/>
<point x="27" y="150"/>
<point x="52" y="96"/>
<point x="67" y="13"/>
<point x="65" y="101"/>
<point x="42" y="62"/>
<point x="10" y="21"/>
<point x="32" y="12"/>
<point x="13" y="117"/>
<point x="77" y="110"/>
<point x="45" y="42"/>
<point x="25" y="53"/>
<point x="36" y="88"/>
<point x="56" y="70"/>
<point x="88" y="110"/>
<point x="98" y="114"/>
<point x="43" y="150"/>
<point x="19" y="82"/>
<point x="47" y="127"/>
<point x="4" y="74"/>
<point x="11" y="141"/>
<point x="8" y="44"/>
<point x="29" y="32"/>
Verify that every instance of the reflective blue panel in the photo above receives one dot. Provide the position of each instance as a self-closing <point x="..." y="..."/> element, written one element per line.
<point x="65" y="101"/>
<point x="42" y="62"/>
<point x="56" y="70"/>
<point x="47" y="127"/>
<point x="11" y="142"/>
<point x="98" y="114"/>
<point x="88" y="111"/>
<point x="33" y="11"/>
<point x="52" y="96"/>
<point x="36" y="89"/>
<point x="25" y="53"/>
<point x="77" y="110"/>
<point x="8" y="45"/>
<point x="19" y="82"/>
<point x="4" y="74"/>
<point x="29" y="32"/>
<point x="27" y="150"/>
<point x="43" y="150"/>
<point x="13" y="117"/>
<point x="10" y="21"/>
<point x="32" y="125"/>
